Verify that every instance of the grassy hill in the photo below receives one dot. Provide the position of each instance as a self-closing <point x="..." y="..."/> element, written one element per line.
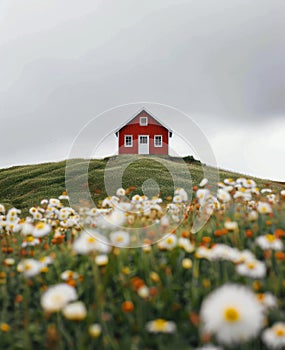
<point x="25" y="186"/>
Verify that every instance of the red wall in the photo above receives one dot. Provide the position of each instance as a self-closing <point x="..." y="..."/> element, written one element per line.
<point x="134" y="128"/>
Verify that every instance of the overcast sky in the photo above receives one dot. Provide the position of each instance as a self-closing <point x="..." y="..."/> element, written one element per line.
<point x="62" y="62"/>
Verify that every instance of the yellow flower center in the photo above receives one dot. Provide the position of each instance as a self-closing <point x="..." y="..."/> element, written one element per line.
<point x="270" y="238"/>
<point x="119" y="239"/>
<point x="40" y="225"/>
<point x="91" y="240"/>
<point x="231" y="314"/>
<point x="28" y="267"/>
<point x="279" y="332"/>
<point x="159" y="324"/>
<point x="251" y="265"/>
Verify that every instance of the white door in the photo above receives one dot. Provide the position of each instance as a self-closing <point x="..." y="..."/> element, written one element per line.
<point x="143" y="144"/>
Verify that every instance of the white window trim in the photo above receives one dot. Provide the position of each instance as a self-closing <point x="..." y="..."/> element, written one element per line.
<point x="145" y="123"/>
<point x="125" y="144"/>
<point x="157" y="146"/>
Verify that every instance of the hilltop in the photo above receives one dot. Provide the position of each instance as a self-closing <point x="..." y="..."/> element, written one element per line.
<point x="25" y="186"/>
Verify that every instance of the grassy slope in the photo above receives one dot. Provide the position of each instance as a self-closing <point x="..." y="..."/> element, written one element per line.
<point x="25" y="186"/>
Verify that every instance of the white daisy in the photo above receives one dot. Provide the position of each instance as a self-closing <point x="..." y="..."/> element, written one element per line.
<point x="57" y="296"/>
<point x="75" y="311"/>
<point x="120" y="238"/>
<point x="269" y="241"/>
<point x="161" y="326"/>
<point x="252" y="269"/>
<point x="232" y="314"/>
<point x="274" y="337"/>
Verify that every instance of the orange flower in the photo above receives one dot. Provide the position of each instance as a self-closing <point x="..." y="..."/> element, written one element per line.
<point x="280" y="256"/>
<point x="128" y="306"/>
<point x="248" y="233"/>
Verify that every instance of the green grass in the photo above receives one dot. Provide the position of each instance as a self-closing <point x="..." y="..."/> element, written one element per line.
<point x="25" y="186"/>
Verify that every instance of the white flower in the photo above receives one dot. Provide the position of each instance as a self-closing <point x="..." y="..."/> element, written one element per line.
<point x="161" y="326"/>
<point x="120" y="192"/>
<point x="229" y="182"/>
<point x="29" y="267"/>
<point x="186" y="244"/>
<point x="143" y="292"/>
<point x="57" y="296"/>
<point x="182" y="194"/>
<point x="120" y="238"/>
<point x="282" y="192"/>
<point x="268" y="300"/>
<point x="269" y="241"/>
<point x="95" y="330"/>
<point x="203" y="182"/>
<point x="41" y="229"/>
<point x="252" y="268"/>
<point x="91" y="241"/>
<point x="231" y="225"/>
<point x="75" y="311"/>
<point x="202" y="195"/>
<point x="2" y="209"/>
<point x="274" y="337"/>
<point x="101" y="260"/>
<point x="223" y="195"/>
<point x="68" y="274"/>
<point x="264" y="208"/>
<point x="168" y="242"/>
<point x="252" y="215"/>
<point x="232" y="314"/>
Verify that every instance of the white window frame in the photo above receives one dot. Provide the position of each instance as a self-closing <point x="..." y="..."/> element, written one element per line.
<point x="125" y="141"/>
<point x="157" y="146"/>
<point x="146" y="121"/>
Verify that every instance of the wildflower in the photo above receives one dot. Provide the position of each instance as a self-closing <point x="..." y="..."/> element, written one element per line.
<point x="128" y="306"/>
<point x="168" y="242"/>
<point x="75" y="311"/>
<point x="274" y="337"/>
<point x="101" y="260"/>
<point x="9" y="261"/>
<point x="29" y="267"/>
<point x="252" y="215"/>
<point x="203" y="182"/>
<point x="264" y="208"/>
<point x="4" y="327"/>
<point x="41" y="229"/>
<point x="282" y="193"/>
<point x="57" y="296"/>
<point x="232" y="314"/>
<point x="68" y="274"/>
<point x="161" y="326"/>
<point x="223" y="195"/>
<point x="185" y="244"/>
<point x="120" y="192"/>
<point x="2" y="209"/>
<point x="187" y="263"/>
<point x="87" y="243"/>
<point x="181" y="193"/>
<point x="269" y="241"/>
<point x="252" y="268"/>
<point x="64" y="196"/>
<point x="120" y="238"/>
<point x="268" y="300"/>
<point x="95" y="330"/>
<point x="143" y="292"/>
<point x="231" y="225"/>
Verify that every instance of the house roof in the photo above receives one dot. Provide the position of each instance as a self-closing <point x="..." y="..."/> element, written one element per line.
<point x="136" y="114"/>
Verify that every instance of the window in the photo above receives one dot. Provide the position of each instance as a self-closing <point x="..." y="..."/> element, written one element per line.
<point x="143" y="121"/>
<point x="143" y="140"/>
<point x="128" y="141"/>
<point x="157" y="141"/>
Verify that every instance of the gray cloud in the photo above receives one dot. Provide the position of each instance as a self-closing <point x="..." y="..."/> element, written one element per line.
<point x="62" y="63"/>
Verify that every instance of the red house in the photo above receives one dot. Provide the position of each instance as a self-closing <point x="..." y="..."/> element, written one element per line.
<point x="143" y="134"/>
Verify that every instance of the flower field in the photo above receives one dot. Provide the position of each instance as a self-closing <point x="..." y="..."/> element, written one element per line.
<point x="133" y="273"/>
